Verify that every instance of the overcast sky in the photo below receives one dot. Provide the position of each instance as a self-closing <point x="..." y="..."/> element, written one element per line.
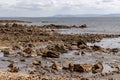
<point x="38" y="8"/>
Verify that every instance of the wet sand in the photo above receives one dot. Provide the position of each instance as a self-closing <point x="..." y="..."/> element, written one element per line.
<point x="42" y="53"/>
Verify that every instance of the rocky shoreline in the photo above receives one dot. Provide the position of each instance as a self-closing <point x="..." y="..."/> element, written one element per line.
<point x="37" y="53"/>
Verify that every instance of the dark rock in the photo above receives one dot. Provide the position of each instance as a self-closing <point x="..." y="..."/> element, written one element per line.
<point x="115" y="50"/>
<point x="96" y="47"/>
<point x="11" y="65"/>
<point x="22" y="60"/>
<point x="28" y="50"/>
<point x="56" y="66"/>
<point x="81" y="44"/>
<point x="14" y="69"/>
<point x="82" y="53"/>
<point x="37" y="62"/>
<point x="83" y="26"/>
<point x="97" y="67"/>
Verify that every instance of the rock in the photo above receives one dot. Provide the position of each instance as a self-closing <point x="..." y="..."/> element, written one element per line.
<point x="16" y="47"/>
<point x="115" y="50"/>
<point x="82" y="68"/>
<point x="37" y="62"/>
<point x="56" y="66"/>
<point x="28" y="52"/>
<point x="82" y="53"/>
<point x="97" y="67"/>
<point x="77" y="53"/>
<point x="81" y="44"/>
<point x="31" y="72"/>
<point x="14" y="25"/>
<point x="33" y="54"/>
<point x="22" y="60"/>
<point x="59" y="47"/>
<point x="96" y="47"/>
<point x="65" y="64"/>
<point x="8" y="51"/>
<point x="71" y="67"/>
<point x="31" y="45"/>
<point x="14" y="69"/>
<point x="51" y="54"/>
<point x="27" y="55"/>
<point x="73" y="47"/>
<point x="83" y="26"/>
<point x="11" y="65"/>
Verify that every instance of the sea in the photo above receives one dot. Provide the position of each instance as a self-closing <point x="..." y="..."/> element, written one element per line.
<point x="96" y="25"/>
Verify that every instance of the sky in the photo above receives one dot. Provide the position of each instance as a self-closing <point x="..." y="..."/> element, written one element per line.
<point x="44" y="8"/>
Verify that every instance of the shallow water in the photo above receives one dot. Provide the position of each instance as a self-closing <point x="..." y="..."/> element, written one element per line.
<point x="1" y="54"/>
<point x="108" y="43"/>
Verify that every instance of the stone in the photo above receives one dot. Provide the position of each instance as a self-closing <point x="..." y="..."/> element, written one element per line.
<point x="37" y="62"/>
<point x="8" y="51"/>
<point x="11" y="65"/>
<point x="73" y="47"/>
<point x="96" y="47"/>
<point x="59" y="47"/>
<point x="28" y="50"/>
<point x="115" y="50"/>
<point x="56" y="66"/>
<point x="16" y="47"/>
<point x="71" y="67"/>
<point x="22" y="60"/>
<point x="14" y="69"/>
<point x="82" y="53"/>
<point x="97" y="67"/>
<point x="51" y="54"/>
<point x="83" y="26"/>
<point x="81" y="44"/>
<point x="82" y="68"/>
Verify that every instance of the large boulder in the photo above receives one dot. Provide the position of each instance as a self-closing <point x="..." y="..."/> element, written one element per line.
<point x="51" y="54"/>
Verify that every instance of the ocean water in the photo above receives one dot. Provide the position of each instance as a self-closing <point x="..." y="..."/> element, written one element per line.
<point x="100" y="25"/>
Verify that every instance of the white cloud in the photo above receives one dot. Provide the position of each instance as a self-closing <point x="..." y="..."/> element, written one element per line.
<point x="52" y="7"/>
